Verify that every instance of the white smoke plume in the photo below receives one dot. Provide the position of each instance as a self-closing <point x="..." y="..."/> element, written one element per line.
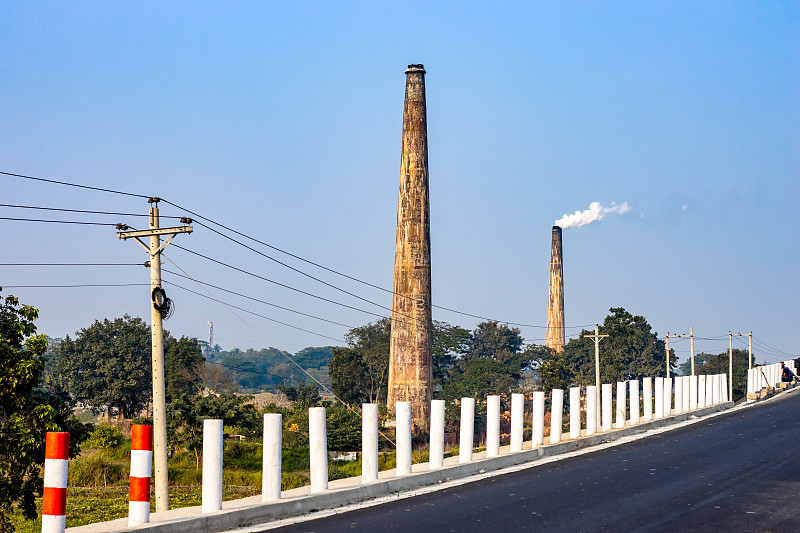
<point x="595" y="212"/>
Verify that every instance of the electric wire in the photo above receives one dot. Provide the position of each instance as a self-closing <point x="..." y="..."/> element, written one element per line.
<point x="258" y="300"/>
<point x="333" y="271"/>
<point x="289" y="287"/>
<point x="88" y="211"/>
<point x="80" y="285"/>
<point x="73" y="264"/>
<point x="59" y="221"/>
<point x="72" y="184"/>
<point x="252" y="312"/>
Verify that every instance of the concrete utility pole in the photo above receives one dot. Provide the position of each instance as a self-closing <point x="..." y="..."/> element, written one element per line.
<point x="730" y="366"/>
<point x="668" y="354"/>
<point x="730" y="355"/>
<point x="160" y="305"/>
<point x="597" y="338"/>
<point x="691" y="338"/>
<point x="750" y="349"/>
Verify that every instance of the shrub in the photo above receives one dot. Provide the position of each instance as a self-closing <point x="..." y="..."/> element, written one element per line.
<point x="105" y="437"/>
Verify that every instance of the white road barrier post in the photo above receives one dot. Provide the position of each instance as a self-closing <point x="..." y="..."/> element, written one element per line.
<point x="369" y="442"/>
<point x="710" y="389"/>
<point x="608" y="410"/>
<point x="687" y="393"/>
<point x="715" y="389"/>
<point x="621" y="411"/>
<point x="538" y="418"/>
<point x="574" y="412"/>
<point x="492" y="425"/>
<point x="591" y="409"/>
<point x="647" y="394"/>
<point x="467" y="441"/>
<point x="556" y="415"/>
<point x="54" y="495"/>
<point x="271" y="460"/>
<point x="212" y="466"/>
<point x="723" y="388"/>
<point x="701" y="391"/>
<point x="517" y="420"/>
<point x="659" y="398"/>
<point x="678" y="407"/>
<point x="141" y="470"/>
<point x="634" y="401"/>
<point x="693" y="381"/>
<point x="403" y="438"/>
<point x="318" y="445"/>
<point x="436" y="459"/>
<point x="667" y="396"/>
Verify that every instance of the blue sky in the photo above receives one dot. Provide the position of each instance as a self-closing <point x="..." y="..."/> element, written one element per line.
<point x="283" y="121"/>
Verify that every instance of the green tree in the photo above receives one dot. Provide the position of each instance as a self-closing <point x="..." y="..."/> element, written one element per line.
<point x="185" y="417"/>
<point x="449" y="343"/>
<point x="308" y="394"/>
<point x="360" y="371"/>
<point x="492" y="364"/>
<point x="183" y="363"/>
<point x="719" y="364"/>
<point x="108" y="366"/>
<point x="686" y="366"/>
<point x="26" y="412"/>
<point x="632" y="350"/>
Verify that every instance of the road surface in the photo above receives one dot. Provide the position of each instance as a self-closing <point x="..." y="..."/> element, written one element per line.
<point x="739" y="471"/>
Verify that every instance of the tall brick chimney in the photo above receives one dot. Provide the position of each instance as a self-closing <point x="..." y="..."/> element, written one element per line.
<point x="410" y="363"/>
<point x="555" y="307"/>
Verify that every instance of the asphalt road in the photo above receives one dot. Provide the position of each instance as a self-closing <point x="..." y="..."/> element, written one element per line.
<point x="735" y="472"/>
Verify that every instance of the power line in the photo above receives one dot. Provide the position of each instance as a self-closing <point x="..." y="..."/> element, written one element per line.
<point x="74" y="264"/>
<point x="73" y="184"/>
<point x="59" y="221"/>
<point x="81" y="285"/>
<point x="276" y="282"/>
<point x="333" y="271"/>
<point x="80" y="211"/>
<point x="256" y="299"/>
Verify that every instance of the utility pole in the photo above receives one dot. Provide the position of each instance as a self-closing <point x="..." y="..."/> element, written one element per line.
<point x="159" y="308"/>
<point x="668" y="354"/>
<point x="750" y="350"/>
<point x="597" y="338"/>
<point x="730" y="355"/>
<point x="691" y="339"/>
<point x="730" y="366"/>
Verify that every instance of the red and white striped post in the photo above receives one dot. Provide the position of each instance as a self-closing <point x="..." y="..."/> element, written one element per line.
<point x="54" y="500"/>
<point x="141" y="468"/>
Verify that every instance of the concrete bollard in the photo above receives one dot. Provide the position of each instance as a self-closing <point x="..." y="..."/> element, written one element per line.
<point x="715" y="389"/>
<point x="537" y="428"/>
<point x="693" y="393"/>
<point x="271" y="459"/>
<point x="556" y="415"/>
<point x="517" y="417"/>
<point x="667" y="396"/>
<point x="141" y="470"/>
<point x="591" y="409"/>
<point x="659" y="398"/>
<point x="403" y="438"/>
<point x="647" y="400"/>
<point x="678" y="406"/>
<point x="54" y="495"/>
<point x="723" y="387"/>
<point x="710" y="390"/>
<point x="634" y="401"/>
<point x="369" y="442"/>
<point x="687" y="393"/>
<point x="436" y="459"/>
<point x="492" y="425"/>
<point x="750" y="380"/>
<point x="318" y="445"/>
<point x="212" y="466"/>
<point x="621" y="407"/>
<point x="701" y="392"/>
<point x="607" y="411"/>
<point x="574" y="412"/>
<point x="467" y="440"/>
